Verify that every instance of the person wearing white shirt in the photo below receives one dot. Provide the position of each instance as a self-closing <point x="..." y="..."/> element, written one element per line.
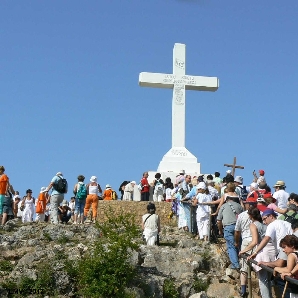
<point x="281" y="195"/>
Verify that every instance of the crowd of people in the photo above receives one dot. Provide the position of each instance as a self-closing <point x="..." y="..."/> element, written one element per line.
<point x="256" y="222"/>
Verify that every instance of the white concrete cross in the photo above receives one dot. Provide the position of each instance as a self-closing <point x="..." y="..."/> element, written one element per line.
<point x="179" y="82"/>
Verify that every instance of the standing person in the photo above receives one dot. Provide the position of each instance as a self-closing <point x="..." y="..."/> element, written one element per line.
<point x="243" y="238"/>
<point x="93" y="189"/>
<point x="169" y="186"/>
<point x="72" y="205"/>
<point x="226" y="220"/>
<point x="261" y="178"/>
<point x="258" y="230"/>
<point x="217" y="180"/>
<point x="121" y="188"/>
<point x="151" y="225"/>
<point x="280" y="194"/>
<point x="80" y="192"/>
<point x="15" y="208"/>
<point x="4" y="186"/>
<point x="7" y="207"/>
<point x="276" y="230"/>
<point x="128" y="191"/>
<point x="184" y="220"/>
<point x="41" y="203"/>
<point x="158" y="188"/>
<point x="145" y="192"/>
<point x="203" y="211"/>
<point x="28" y="202"/>
<point x="60" y="187"/>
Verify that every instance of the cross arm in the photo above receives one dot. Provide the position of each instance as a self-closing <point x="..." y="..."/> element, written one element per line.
<point x="156" y="80"/>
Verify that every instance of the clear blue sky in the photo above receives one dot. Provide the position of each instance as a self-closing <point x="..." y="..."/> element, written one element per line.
<point x="70" y="99"/>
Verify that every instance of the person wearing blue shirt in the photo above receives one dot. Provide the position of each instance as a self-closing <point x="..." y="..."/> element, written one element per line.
<point x="56" y="197"/>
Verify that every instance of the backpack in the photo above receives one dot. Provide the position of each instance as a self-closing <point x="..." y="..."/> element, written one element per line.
<point x="290" y="218"/>
<point x="60" y="185"/>
<point x="158" y="185"/>
<point x="114" y="195"/>
<point x="243" y="193"/>
<point x="140" y="186"/>
<point x="81" y="192"/>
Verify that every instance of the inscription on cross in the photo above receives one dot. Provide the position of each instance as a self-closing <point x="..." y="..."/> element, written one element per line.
<point x="233" y="166"/>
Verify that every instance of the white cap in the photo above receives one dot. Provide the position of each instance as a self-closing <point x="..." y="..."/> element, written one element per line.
<point x="201" y="185"/>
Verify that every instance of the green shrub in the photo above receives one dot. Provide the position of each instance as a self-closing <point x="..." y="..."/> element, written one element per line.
<point x="169" y="289"/>
<point x="106" y="267"/>
<point x="200" y="285"/>
<point x="5" y="266"/>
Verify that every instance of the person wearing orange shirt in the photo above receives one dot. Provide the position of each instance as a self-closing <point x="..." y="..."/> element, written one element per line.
<point x="4" y="186"/>
<point x="107" y="194"/>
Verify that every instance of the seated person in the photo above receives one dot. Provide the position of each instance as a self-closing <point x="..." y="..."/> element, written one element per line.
<point x="63" y="212"/>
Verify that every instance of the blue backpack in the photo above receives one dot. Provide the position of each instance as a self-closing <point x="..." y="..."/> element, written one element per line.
<point x="82" y="192"/>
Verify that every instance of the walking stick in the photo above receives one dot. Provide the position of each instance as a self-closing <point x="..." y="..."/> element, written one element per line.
<point x="285" y="288"/>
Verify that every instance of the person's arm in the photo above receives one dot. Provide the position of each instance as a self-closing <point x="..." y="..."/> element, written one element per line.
<point x="276" y="263"/>
<point x="194" y="202"/>
<point x="237" y="237"/>
<point x="218" y="207"/>
<point x="263" y="243"/>
<point x="75" y="189"/>
<point x="290" y="265"/>
<point x="158" y="224"/>
<point x="219" y="224"/>
<point x="254" y="241"/>
<point x="99" y="188"/>
<point x="291" y="273"/>
<point x="255" y="176"/>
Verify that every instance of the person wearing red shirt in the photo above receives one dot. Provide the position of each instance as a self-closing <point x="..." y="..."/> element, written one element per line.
<point x="145" y="187"/>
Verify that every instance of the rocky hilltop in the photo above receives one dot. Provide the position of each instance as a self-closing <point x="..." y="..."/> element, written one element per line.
<point x="37" y="261"/>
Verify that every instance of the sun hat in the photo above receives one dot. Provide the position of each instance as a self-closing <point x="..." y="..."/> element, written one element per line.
<point x="238" y="179"/>
<point x="93" y="179"/>
<point x="228" y="171"/>
<point x="254" y="185"/>
<point x="268" y="211"/>
<point x="108" y="186"/>
<point x="133" y="182"/>
<point x="64" y="203"/>
<point x="182" y="172"/>
<point x="262" y="172"/>
<point x="43" y="189"/>
<point x="279" y="183"/>
<point x="29" y="190"/>
<point x="59" y="174"/>
<point x="201" y="185"/>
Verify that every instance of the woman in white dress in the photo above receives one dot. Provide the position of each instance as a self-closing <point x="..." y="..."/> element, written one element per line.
<point x="150" y="225"/>
<point x="28" y="203"/>
<point x="128" y="191"/>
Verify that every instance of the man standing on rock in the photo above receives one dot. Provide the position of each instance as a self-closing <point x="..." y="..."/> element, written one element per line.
<point x="226" y="220"/>
<point x="145" y="192"/>
<point x="60" y="186"/>
<point x="242" y="231"/>
<point x="4" y="186"/>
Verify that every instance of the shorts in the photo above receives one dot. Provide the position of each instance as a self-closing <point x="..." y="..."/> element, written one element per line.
<point x="7" y="209"/>
<point x="243" y="261"/>
<point x="2" y="197"/>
